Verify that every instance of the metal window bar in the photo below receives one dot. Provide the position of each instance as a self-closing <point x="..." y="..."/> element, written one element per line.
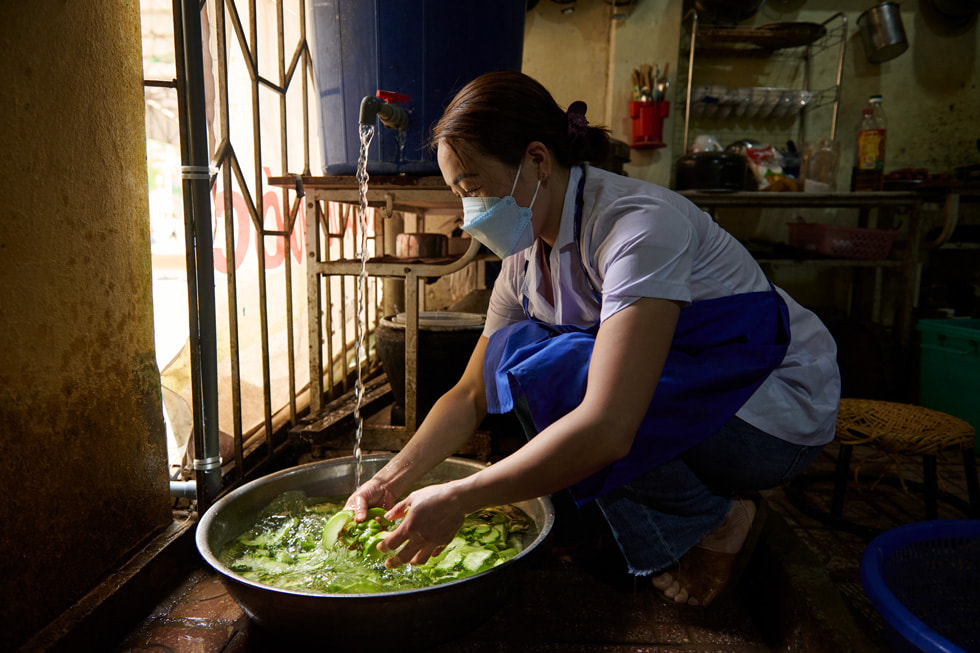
<point x="255" y="445"/>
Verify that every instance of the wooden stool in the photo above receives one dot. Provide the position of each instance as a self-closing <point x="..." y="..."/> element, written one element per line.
<point x="895" y="428"/>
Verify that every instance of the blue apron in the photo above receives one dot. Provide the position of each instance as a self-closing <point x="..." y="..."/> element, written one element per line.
<point x="722" y="351"/>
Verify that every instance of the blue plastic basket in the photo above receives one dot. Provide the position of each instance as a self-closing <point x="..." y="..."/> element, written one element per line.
<point x="924" y="580"/>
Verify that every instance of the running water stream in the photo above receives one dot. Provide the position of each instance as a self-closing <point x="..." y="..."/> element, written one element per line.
<point x="360" y="327"/>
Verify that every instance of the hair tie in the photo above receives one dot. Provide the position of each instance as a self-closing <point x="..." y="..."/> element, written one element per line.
<point x="577" y="124"/>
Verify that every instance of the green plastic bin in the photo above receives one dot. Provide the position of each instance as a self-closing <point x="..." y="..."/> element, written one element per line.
<point x="949" y="374"/>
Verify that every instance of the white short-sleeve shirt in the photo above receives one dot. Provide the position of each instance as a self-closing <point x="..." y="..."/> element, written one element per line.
<point x="641" y="240"/>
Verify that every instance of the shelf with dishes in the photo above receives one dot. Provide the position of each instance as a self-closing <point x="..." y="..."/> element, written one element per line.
<point x="776" y="104"/>
<point x="755" y="102"/>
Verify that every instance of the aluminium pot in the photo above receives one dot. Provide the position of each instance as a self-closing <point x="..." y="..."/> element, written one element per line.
<point x="714" y="171"/>
<point x="402" y="620"/>
<point x="882" y="32"/>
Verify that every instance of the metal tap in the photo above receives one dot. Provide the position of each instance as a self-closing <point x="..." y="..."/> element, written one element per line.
<point x="383" y="106"/>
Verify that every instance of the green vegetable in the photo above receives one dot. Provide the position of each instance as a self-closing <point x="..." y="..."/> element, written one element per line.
<point x="474" y="561"/>
<point x="269" y="539"/>
<point x="315" y="545"/>
<point x="334" y="525"/>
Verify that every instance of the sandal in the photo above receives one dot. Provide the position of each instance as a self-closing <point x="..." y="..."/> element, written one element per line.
<point x="705" y="573"/>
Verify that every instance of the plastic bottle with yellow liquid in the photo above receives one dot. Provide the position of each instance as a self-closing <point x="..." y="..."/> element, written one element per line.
<point x="869" y="159"/>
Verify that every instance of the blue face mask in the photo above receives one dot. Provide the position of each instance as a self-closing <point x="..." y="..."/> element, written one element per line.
<point x="499" y="223"/>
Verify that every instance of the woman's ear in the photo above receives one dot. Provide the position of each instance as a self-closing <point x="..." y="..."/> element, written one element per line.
<point x="541" y="157"/>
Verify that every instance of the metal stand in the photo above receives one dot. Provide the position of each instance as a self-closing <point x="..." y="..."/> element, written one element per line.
<point x="390" y="194"/>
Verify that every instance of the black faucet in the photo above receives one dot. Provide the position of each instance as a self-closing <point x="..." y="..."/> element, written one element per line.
<point x="383" y="106"/>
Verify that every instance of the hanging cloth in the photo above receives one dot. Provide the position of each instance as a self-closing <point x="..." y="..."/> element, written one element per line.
<point x="721" y="352"/>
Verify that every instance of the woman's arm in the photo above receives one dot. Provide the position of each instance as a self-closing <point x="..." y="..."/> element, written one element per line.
<point x="627" y="359"/>
<point x="448" y="425"/>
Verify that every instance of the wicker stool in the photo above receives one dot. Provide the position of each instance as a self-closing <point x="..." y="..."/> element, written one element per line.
<point x="895" y="428"/>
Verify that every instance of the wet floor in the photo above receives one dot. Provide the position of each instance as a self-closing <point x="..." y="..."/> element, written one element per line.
<point x="801" y="592"/>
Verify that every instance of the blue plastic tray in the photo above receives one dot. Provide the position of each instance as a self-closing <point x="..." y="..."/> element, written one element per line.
<point x="924" y="580"/>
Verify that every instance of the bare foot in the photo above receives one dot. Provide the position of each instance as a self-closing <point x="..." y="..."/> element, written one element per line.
<point x="670" y="587"/>
<point x="705" y="569"/>
<point x="730" y="536"/>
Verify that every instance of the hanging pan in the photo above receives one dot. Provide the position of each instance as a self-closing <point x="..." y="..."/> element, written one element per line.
<point x="882" y="32"/>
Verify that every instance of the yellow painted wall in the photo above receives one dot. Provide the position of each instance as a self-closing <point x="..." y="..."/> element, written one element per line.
<point x="587" y="55"/>
<point x="930" y="92"/>
<point x="82" y="439"/>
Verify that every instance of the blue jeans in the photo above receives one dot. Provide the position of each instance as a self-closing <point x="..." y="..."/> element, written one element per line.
<point x="658" y="517"/>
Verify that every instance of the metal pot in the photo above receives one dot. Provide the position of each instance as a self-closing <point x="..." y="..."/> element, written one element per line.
<point x="421" y="245"/>
<point x="404" y="620"/>
<point x="717" y="171"/>
<point x="882" y="32"/>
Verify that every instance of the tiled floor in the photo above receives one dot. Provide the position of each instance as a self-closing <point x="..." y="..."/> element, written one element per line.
<point x="574" y="600"/>
<point x="882" y="505"/>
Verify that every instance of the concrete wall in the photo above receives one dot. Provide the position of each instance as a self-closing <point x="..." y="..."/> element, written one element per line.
<point x="81" y="430"/>
<point x="586" y="55"/>
<point x="930" y="92"/>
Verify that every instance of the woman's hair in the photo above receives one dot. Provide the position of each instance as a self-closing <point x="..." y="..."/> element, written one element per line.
<point x="500" y="113"/>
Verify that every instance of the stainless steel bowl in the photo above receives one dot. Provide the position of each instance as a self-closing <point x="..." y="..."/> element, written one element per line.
<point x="407" y="619"/>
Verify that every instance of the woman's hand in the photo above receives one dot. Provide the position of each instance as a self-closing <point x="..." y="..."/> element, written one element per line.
<point x="432" y="518"/>
<point x="370" y="495"/>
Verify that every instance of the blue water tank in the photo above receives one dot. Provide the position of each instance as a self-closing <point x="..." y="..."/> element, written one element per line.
<point x="425" y="49"/>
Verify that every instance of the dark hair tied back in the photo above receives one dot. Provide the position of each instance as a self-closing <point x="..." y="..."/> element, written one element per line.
<point x="500" y="113"/>
<point x="577" y="123"/>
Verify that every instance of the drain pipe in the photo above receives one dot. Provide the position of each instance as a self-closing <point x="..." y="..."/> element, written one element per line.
<point x="202" y="331"/>
<point x="183" y="489"/>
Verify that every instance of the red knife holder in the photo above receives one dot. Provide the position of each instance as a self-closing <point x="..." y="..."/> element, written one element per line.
<point x="648" y="123"/>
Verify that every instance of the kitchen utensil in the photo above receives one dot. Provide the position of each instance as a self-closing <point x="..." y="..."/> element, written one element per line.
<point x="788" y="35"/>
<point x="882" y="32"/>
<point x="740" y="99"/>
<point x="714" y="171"/>
<point x="646" y="82"/>
<point x="421" y="245"/>
<point x="662" y="84"/>
<point x="405" y="620"/>
<point x="773" y="36"/>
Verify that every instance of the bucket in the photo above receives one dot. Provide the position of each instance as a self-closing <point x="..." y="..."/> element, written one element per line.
<point x="445" y="341"/>
<point x="949" y="368"/>
<point x="882" y="32"/>
<point x="424" y="49"/>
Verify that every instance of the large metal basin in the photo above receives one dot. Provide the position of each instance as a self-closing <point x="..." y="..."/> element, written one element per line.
<point x="408" y="619"/>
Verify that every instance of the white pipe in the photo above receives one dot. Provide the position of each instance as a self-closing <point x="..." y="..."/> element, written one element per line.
<point x="183" y="489"/>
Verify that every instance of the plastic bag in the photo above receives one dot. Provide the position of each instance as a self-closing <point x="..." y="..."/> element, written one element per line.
<point x="765" y="163"/>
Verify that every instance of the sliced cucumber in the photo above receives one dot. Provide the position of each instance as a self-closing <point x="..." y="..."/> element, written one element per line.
<point x="335" y="525"/>
<point x="474" y="561"/>
<point x="492" y="535"/>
